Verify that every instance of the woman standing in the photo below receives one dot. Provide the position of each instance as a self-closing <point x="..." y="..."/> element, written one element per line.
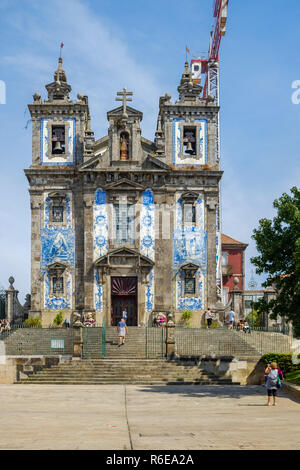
<point x="272" y="382"/>
<point x="122" y="331"/>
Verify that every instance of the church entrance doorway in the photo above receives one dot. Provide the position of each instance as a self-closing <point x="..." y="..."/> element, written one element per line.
<point x="124" y="297"/>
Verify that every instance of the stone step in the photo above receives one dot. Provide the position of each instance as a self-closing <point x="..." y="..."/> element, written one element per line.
<point x="142" y="381"/>
<point x="124" y="376"/>
<point x="120" y="371"/>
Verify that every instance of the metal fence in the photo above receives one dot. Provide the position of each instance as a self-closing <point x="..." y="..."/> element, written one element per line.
<point x="37" y="341"/>
<point x="155" y="342"/>
<point x="149" y="342"/>
<point x="224" y="342"/>
<point x="94" y="343"/>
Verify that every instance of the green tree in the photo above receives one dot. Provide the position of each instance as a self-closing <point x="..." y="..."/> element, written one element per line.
<point x="59" y="318"/>
<point x="278" y="245"/>
<point x="255" y="318"/>
<point x="2" y="294"/>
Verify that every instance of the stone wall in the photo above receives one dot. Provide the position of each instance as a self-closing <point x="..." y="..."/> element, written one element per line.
<point x="14" y="369"/>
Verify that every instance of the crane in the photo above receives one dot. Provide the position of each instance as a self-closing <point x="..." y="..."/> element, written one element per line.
<point x="210" y="67"/>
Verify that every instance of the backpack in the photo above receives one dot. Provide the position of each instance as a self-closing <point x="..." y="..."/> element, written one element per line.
<point x="272" y="378"/>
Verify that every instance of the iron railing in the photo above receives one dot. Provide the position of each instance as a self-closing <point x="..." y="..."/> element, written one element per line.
<point x="225" y="342"/>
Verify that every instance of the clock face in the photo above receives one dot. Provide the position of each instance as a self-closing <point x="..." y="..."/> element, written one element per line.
<point x="189" y="142"/>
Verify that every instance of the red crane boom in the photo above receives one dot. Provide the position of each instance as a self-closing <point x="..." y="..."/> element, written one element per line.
<point x="220" y="13"/>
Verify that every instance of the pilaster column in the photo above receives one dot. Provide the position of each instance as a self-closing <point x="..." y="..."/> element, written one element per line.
<point x="10" y="301"/>
<point x="170" y="337"/>
<point x="88" y="273"/>
<point x="36" y="278"/>
<point x="211" y="205"/>
<point x="237" y="304"/>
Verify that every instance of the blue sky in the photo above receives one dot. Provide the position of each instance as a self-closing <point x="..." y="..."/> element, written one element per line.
<point x="110" y="44"/>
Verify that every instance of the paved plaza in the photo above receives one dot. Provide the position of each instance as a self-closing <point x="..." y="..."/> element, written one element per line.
<point x="137" y="417"/>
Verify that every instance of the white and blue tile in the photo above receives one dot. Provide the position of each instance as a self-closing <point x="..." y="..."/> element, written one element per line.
<point x="45" y="141"/>
<point x="147" y="241"/>
<point x="57" y="245"/>
<point x="100" y="240"/>
<point x="201" y="141"/>
<point x="190" y="245"/>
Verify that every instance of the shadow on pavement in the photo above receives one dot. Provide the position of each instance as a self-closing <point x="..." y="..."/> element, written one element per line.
<point x="215" y="391"/>
<point x="198" y="391"/>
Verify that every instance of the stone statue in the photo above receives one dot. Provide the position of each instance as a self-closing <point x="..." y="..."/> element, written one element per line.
<point x="123" y="147"/>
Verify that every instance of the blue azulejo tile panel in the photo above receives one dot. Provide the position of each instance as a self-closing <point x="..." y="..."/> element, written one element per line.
<point x="57" y="245"/>
<point x="98" y="289"/>
<point x="190" y="245"/>
<point x="201" y="141"/>
<point x="47" y="158"/>
<point x="147" y="241"/>
<point x="149" y="291"/>
<point x="100" y="240"/>
<point x="100" y="224"/>
<point x="147" y="225"/>
<point x="190" y="303"/>
<point x="58" y="303"/>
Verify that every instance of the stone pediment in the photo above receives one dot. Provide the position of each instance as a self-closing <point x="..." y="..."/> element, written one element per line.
<point x="118" y="112"/>
<point x="123" y="257"/>
<point x="152" y="163"/>
<point x="189" y="267"/>
<point x="124" y="184"/>
<point x="189" y="196"/>
<point x="57" y="266"/>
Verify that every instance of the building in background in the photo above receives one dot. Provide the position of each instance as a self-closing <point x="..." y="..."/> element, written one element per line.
<point x="233" y="265"/>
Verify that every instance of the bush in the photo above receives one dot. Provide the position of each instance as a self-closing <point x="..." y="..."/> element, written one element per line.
<point x="33" y="322"/>
<point x="293" y="377"/>
<point x="284" y="361"/>
<point x="58" y="319"/>
<point x="186" y="317"/>
<point x="255" y="319"/>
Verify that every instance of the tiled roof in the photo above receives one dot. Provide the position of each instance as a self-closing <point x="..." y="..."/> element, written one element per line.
<point x="226" y="240"/>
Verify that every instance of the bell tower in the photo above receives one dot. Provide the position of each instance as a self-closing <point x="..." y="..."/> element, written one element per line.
<point x="186" y="141"/>
<point x="61" y="138"/>
<point x="125" y="147"/>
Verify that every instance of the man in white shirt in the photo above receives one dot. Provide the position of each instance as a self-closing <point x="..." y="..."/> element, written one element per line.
<point x="231" y="316"/>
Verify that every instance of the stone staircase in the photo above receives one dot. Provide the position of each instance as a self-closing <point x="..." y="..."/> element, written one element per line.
<point x="123" y="371"/>
<point x="266" y="342"/>
<point x="140" y="343"/>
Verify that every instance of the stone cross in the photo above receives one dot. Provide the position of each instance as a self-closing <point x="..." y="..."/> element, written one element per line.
<point x="124" y="99"/>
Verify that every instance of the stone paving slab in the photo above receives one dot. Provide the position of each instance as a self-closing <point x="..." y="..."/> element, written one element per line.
<point x="146" y="417"/>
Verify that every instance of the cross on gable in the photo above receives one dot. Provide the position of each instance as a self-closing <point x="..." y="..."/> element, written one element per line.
<point x="124" y="99"/>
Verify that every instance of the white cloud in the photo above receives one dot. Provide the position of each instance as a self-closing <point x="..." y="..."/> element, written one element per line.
<point x="97" y="61"/>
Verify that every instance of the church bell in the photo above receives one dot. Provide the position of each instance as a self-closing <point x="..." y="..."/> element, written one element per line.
<point x="57" y="147"/>
<point x="189" y="148"/>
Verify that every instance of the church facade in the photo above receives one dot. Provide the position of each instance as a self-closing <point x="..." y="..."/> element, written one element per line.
<point x="124" y="223"/>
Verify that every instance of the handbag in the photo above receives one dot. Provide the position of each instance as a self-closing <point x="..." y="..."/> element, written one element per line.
<point x="279" y="384"/>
